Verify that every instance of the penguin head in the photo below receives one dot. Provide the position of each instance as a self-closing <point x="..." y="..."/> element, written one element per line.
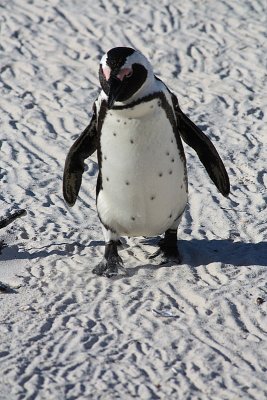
<point x="124" y="73"/>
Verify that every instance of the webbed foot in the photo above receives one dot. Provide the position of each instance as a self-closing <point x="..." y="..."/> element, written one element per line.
<point x="168" y="251"/>
<point x="109" y="267"/>
<point x="111" y="263"/>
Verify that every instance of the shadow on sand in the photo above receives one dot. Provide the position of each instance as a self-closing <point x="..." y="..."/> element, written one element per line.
<point x="203" y="252"/>
<point x="193" y="252"/>
<point x="14" y="252"/>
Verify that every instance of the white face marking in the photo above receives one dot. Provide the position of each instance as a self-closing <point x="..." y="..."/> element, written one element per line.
<point x="137" y="58"/>
<point x="103" y="61"/>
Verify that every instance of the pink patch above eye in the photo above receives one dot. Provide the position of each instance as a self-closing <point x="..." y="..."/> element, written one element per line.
<point x="124" y="72"/>
<point x="106" y="72"/>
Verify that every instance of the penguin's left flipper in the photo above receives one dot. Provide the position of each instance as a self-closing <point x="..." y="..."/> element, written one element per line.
<point x="205" y="150"/>
<point x="82" y="148"/>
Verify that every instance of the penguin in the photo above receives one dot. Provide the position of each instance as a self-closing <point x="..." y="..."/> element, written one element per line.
<point x="137" y="128"/>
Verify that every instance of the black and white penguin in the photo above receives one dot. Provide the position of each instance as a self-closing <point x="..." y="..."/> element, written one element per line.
<point x="136" y="128"/>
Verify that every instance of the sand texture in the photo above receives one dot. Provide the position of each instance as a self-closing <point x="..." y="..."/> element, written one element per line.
<point x="192" y="331"/>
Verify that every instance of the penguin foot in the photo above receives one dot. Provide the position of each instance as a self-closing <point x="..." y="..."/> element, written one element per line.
<point x="109" y="267"/>
<point x="168" y="251"/>
<point x="167" y="255"/>
<point x="111" y="263"/>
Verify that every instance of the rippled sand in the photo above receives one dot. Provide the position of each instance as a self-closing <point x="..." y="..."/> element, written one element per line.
<point x="190" y="331"/>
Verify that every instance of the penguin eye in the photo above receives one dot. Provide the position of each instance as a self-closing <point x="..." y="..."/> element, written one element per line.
<point x="124" y="73"/>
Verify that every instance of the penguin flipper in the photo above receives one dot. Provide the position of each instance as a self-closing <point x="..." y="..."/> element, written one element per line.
<point x="82" y="148"/>
<point x="204" y="148"/>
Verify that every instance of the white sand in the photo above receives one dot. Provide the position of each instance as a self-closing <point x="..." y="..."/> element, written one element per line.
<point x="192" y="331"/>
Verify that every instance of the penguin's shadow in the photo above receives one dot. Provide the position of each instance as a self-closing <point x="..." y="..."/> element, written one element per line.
<point x="13" y="252"/>
<point x="193" y="252"/>
<point x="197" y="252"/>
<point x="204" y="252"/>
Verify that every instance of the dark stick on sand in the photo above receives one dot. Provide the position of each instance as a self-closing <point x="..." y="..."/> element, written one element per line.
<point x="6" y="221"/>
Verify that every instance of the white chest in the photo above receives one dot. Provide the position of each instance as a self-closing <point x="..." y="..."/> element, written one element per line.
<point x="143" y="175"/>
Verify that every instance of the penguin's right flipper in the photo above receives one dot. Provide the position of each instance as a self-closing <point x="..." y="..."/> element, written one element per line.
<point x="82" y="148"/>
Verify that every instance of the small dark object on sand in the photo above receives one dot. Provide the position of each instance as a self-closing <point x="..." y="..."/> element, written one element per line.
<point x="6" y="288"/>
<point x="6" y="221"/>
<point x="259" y="300"/>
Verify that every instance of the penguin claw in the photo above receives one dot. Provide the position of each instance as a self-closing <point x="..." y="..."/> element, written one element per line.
<point x="109" y="268"/>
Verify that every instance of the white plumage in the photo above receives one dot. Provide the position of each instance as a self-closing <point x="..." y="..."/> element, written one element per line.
<point x="144" y="186"/>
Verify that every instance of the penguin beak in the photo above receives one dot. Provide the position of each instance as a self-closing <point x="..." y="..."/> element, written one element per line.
<point x="115" y="85"/>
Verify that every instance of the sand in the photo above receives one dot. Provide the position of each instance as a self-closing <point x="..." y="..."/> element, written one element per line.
<point x="189" y="331"/>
